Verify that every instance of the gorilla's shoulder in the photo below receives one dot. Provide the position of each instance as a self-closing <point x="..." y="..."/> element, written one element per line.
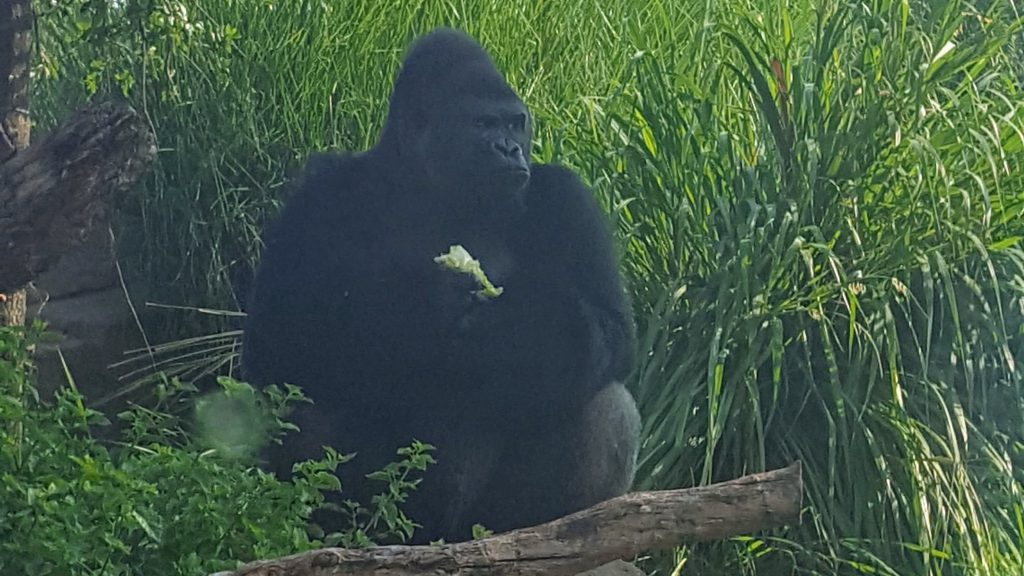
<point x="331" y="174"/>
<point x="329" y="192"/>
<point x="555" y="187"/>
<point x="554" y="175"/>
<point x="328" y="162"/>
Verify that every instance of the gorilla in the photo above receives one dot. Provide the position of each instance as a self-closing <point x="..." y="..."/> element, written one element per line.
<point x="520" y="392"/>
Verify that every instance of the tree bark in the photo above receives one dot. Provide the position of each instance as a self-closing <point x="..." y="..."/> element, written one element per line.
<point x="623" y="527"/>
<point x="15" y="46"/>
<point x="51" y="192"/>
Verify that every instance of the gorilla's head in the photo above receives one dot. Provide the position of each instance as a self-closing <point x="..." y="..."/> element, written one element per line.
<point x="455" y="121"/>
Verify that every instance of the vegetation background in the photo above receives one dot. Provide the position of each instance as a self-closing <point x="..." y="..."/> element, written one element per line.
<point x="819" y="203"/>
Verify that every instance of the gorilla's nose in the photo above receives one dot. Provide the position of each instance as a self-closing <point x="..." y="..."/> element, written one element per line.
<point x="508" y="148"/>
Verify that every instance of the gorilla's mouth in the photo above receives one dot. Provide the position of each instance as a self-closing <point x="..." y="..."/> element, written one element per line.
<point x="516" y="176"/>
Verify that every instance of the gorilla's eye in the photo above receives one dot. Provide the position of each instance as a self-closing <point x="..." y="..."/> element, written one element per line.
<point x="518" y="123"/>
<point x="487" y="122"/>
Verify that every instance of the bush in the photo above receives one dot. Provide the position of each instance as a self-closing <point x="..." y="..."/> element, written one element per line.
<point x="161" y="500"/>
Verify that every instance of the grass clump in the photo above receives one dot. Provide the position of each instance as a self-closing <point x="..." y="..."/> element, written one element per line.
<point x="824" y="239"/>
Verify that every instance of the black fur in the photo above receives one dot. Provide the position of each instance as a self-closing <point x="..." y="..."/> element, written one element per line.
<point x="520" y="393"/>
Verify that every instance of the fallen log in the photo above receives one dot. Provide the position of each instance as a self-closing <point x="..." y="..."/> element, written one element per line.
<point x="51" y="192"/>
<point x="621" y="528"/>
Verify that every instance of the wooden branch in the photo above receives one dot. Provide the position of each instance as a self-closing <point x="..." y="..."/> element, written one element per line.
<point x="623" y="527"/>
<point x="51" y="192"/>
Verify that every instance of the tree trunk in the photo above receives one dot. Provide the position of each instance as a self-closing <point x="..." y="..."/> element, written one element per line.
<point x="51" y="193"/>
<point x="623" y="527"/>
<point x="15" y="44"/>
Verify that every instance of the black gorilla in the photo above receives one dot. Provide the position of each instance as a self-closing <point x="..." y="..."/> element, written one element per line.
<point x="519" y="393"/>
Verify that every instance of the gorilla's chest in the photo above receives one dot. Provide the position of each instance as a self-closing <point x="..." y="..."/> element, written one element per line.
<point x="407" y="255"/>
<point x="402" y="262"/>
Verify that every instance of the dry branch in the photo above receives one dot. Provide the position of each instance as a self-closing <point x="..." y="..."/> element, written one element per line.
<point x="51" y="192"/>
<point x="623" y="527"/>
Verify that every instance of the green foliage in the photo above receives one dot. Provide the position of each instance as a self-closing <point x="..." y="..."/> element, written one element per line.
<point x="385" y="520"/>
<point x="159" y="500"/>
<point x="825" y="241"/>
<point x="820" y="205"/>
<point x="458" y="260"/>
<point x="155" y="505"/>
<point x="480" y="531"/>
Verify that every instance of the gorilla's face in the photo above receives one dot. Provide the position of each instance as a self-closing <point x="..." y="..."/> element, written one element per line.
<point x="462" y="131"/>
<point x="481" y="143"/>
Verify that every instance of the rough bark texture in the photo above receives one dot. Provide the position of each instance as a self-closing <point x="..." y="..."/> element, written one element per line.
<point x="15" y="46"/>
<point x="51" y="192"/>
<point x="623" y="527"/>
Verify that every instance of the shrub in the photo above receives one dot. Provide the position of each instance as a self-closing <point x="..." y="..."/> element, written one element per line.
<point x="160" y="499"/>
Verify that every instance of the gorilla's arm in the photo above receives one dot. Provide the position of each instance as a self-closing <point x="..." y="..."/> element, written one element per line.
<point x="282" y="307"/>
<point x="299" y="319"/>
<point x="563" y="326"/>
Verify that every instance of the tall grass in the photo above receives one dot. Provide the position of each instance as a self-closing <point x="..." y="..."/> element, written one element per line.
<point x="240" y="91"/>
<point x="819" y="203"/>
<point x="824" y="239"/>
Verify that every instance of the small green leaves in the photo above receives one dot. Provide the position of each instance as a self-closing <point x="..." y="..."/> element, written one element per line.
<point x="458" y="259"/>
